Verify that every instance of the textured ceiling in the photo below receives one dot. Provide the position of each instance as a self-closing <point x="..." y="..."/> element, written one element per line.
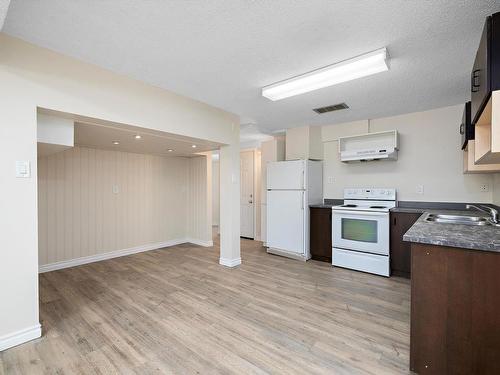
<point x="223" y="51"/>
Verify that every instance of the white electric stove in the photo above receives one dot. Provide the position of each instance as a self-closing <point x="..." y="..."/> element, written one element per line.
<point x="360" y="230"/>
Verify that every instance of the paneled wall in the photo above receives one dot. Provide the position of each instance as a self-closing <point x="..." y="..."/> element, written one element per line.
<point x="95" y="201"/>
<point x="199" y="215"/>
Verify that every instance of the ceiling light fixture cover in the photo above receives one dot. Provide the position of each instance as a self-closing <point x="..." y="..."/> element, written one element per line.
<point x="193" y="146"/>
<point x="347" y="70"/>
<point x="116" y="142"/>
<point x="170" y="150"/>
<point x="137" y="136"/>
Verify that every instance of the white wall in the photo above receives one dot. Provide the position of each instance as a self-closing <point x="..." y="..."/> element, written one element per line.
<point x="496" y="189"/>
<point x="34" y="77"/>
<point x="272" y="150"/>
<point x="429" y="155"/>
<point x="199" y="216"/>
<point x="80" y="215"/>
<point x="56" y="130"/>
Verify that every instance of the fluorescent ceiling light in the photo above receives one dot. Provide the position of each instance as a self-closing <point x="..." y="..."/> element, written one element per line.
<point x="347" y="70"/>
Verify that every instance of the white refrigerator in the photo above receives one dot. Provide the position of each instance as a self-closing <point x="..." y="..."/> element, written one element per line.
<point x="291" y="187"/>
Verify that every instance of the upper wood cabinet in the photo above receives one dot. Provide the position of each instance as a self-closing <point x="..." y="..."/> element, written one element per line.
<point x="485" y="75"/>
<point x="304" y="143"/>
<point x="470" y="165"/>
<point x="487" y="138"/>
<point x="485" y="100"/>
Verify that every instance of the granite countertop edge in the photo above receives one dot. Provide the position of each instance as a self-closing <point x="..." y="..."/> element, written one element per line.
<point x="484" y="238"/>
<point x="321" y="205"/>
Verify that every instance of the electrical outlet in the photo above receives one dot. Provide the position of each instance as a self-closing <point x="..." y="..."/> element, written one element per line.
<point x="484" y="188"/>
<point x="330" y="180"/>
<point x="419" y="189"/>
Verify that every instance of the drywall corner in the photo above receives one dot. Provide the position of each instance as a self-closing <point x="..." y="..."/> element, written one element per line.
<point x="496" y="189"/>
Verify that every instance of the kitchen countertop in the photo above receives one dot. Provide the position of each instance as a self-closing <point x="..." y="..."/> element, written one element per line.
<point x="409" y="210"/>
<point x="486" y="238"/>
<point x="321" y="205"/>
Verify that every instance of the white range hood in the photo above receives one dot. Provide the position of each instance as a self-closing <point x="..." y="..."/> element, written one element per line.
<point x="370" y="154"/>
<point x="370" y="146"/>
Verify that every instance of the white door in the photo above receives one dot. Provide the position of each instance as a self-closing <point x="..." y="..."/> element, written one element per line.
<point x="286" y="175"/>
<point x="285" y="220"/>
<point x="246" y="194"/>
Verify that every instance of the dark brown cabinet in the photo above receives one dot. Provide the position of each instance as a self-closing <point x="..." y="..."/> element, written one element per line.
<point x="467" y="131"/>
<point x="455" y="319"/>
<point x="400" y="250"/>
<point x="485" y="75"/>
<point x="321" y="233"/>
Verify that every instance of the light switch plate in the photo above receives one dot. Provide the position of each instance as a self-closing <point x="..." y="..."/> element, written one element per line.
<point x="419" y="189"/>
<point x="23" y="169"/>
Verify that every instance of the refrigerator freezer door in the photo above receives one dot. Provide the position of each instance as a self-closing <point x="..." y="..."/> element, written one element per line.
<point x="285" y="221"/>
<point x="286" y="175"/>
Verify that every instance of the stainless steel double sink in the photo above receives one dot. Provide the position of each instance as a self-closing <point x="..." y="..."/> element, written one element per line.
<point x="458" y="219"/>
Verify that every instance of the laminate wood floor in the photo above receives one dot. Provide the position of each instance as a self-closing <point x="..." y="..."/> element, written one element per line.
<point x="176" y="310"/>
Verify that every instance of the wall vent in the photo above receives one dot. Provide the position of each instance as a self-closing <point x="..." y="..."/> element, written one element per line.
<point x="331" y="108"/>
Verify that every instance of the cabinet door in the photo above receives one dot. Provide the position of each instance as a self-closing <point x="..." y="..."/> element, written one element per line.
<point x="321" y="234"/>
<point x="400" y="250"/>
<point x="455" y="324"/>
<point x="480" y="85"/>
<point x="428" y="310"/>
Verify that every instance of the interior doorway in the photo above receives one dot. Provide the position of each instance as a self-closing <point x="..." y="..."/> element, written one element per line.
<point x="247" y="195"/>
<point x="215" y="193"/>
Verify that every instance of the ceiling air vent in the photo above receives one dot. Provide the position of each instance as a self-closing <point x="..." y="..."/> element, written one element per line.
<point x="331" y="108"/>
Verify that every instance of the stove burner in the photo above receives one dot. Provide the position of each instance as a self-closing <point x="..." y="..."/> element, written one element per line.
<point x="349" y="205"/>
<point x="378" y="207"/>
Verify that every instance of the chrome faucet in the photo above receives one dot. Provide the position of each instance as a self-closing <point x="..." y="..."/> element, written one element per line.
<point x="487" y="209"/>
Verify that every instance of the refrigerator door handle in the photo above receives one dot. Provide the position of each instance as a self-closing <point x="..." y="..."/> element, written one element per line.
<point x="302" y="201"/>
<point x="303" y="180"/>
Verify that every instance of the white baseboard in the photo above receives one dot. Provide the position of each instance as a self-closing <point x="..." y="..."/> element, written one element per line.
<point x="230" y="262"/>
<point x="20" y="337"/>
<point x="109" y="255"/>
<point x="200" y="242"/>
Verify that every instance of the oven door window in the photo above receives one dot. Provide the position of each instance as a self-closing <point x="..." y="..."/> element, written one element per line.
<point x="359" y="230"/>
